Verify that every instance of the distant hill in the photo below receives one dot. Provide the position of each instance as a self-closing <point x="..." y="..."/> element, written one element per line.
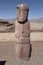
<point x="39" y="20"/>
<point x="31" y="20"/>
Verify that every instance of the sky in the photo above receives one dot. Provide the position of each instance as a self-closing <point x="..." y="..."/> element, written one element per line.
<point x="8" y="8"/>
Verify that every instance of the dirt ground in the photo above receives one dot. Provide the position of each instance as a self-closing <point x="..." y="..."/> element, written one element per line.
<point x="7" y="53"/>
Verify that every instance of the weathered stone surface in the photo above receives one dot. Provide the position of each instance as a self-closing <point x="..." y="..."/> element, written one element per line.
<point x="22" y="32"/>
<point x="22" y="51"/>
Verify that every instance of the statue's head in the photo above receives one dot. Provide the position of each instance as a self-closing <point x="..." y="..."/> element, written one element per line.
<point x="22" y="12"/>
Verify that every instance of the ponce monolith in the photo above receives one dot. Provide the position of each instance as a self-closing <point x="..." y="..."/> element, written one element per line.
<point x="22" y="33"/>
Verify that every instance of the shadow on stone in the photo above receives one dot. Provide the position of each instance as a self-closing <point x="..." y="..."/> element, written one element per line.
<point x="30" y="50"/>
<point x="2" y="62"/>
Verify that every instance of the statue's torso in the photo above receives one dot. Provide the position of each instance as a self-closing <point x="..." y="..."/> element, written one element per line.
<point x="22" y="30"/>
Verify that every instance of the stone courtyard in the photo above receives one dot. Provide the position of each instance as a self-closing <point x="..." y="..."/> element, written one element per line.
<point x="7" y="53"/>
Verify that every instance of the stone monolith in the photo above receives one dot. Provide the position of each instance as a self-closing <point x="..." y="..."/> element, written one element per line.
<point x="22" y="33"/>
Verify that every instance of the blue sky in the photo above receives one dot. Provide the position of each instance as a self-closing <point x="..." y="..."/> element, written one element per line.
<point x="8" y="8"/>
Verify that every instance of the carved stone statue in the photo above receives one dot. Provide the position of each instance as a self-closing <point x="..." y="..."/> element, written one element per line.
<point x="22" y="32"/>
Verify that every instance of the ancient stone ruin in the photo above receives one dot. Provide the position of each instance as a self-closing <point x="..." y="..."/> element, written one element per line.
<point x="22" y="32"/>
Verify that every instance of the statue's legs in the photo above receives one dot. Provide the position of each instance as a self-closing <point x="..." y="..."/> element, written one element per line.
<point x="22" y="50"/>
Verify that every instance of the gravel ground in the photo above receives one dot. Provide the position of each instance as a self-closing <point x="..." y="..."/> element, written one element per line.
<point x="7" y="53"/>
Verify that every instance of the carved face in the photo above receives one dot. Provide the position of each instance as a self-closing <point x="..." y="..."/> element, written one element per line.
<point x="22" y="15"/>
